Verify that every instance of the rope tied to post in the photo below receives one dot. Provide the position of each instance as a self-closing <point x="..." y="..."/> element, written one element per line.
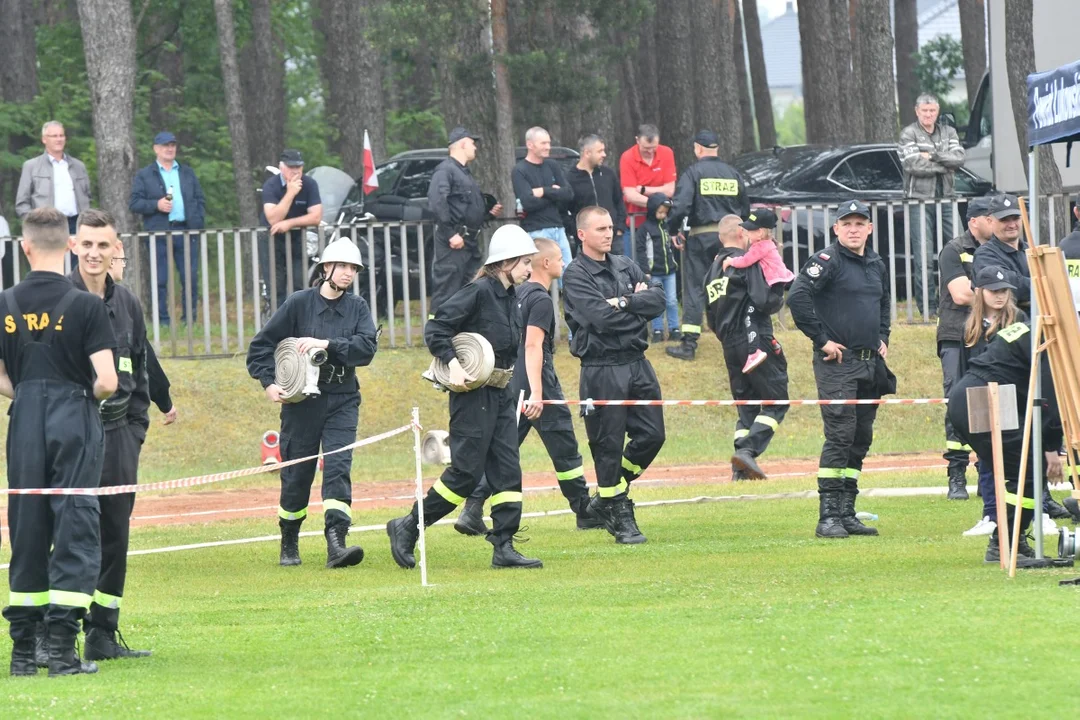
<point x="297" y="373"/>
<point x="476" y="356"/>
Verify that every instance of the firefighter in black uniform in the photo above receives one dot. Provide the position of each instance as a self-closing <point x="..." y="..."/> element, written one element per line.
<point x="955" y="270"/>
<point x="125" y="417"/>
<point x="534" y="373"/>
<point x="1007" y="360"/>
<point x="55" y="340"/>
<point x="730" y="293"/>
<point x="708" y="191"/>
<point x="608" y="306"/>
<point x="1005" y="248"/>
<point x="832" y="302"/>
<point x="339" y="322"/>
<point x="483" y="436"/>
<point x="460" y="211"/>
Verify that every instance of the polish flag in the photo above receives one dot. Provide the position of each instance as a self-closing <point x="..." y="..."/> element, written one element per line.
<point x="371" y="180"/>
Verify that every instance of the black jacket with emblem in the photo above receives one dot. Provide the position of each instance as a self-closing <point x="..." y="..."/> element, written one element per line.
<point x="706" y="192"/>
<point x="731" y="292"/>
<point x="603" y="334"/>
<point x="130" y="404"/>
<point x="995" y="253"/>
<point x="346" y="323"/>
<point x="843" y="297"/>
<point x="954" y="261"/>
<point x="456" y="201"/>
<point x="483" y="306"/>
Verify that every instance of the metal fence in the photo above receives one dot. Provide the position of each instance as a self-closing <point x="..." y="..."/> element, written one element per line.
<point x="243" y="275"/>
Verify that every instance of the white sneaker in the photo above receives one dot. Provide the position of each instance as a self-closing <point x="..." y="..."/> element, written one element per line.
<point x="1049" y="526"/>
<point x="986" y="526"/>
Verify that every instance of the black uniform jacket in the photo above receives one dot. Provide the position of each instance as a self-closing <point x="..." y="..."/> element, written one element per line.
<point x="994" y="253"/>
<point x="483" y="306"/>
<point x="730" y="294"/>
<point x="954" y="261"/>
<point x="456" y="201"/>
<point x="706" y="192"/>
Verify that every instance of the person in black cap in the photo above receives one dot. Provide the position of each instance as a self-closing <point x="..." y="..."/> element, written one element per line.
<point x="170" y="200"/>
<point x="1070" y="248"/>
<point x="291" y="202"/>
<point x="737" y="296"/>
<point x="1005" y="248"/>
<point x="707" y="191"/>
<point x="832" y="302"/>
<point x="956" y="273"/>
<point x="460" y="211"/>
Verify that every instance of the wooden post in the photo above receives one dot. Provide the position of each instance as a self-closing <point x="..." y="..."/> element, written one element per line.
<point x="999" y="469"/>
<point x="1024" y="450"/>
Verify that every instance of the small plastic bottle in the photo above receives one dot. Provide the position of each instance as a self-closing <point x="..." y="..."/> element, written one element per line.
<point x="865" y="516"/>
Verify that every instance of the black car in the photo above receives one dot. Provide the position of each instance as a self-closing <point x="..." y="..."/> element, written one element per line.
<point x="815" y="178"/>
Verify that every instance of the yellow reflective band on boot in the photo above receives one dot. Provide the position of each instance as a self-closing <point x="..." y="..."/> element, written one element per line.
<point x="627" y="465"/>
<point x="449" y="495"/>
<point x="1027" y="503"/>
<point x="766" y="420"/>
<point x="852" y="473"/>
<point x="574" y="474"/>
<point x="286" y="515"/>
<point x="824" y="472"/>
<point x="69" y="599"/>
<point x="741" y="433"/>
<point x="337" y="505"/>
<point x="506" y="497"/>
<point x="610" y="492"/>
<point x="24" y="599"/>
<point x="695" y="329"/>
<point x="107" y="600"/>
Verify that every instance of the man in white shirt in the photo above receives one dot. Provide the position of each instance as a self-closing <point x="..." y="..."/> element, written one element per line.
<point x="54" y="179"/>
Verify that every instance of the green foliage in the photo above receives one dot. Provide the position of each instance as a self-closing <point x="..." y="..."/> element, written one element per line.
<point x="937" y="64"/>
<point x="407" y="129"/>
<point x="791" y="126"/>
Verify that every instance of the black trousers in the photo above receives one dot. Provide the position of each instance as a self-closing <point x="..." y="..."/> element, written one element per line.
<point x="328" y="421"/>
<point x="608" y="426"/>
<point x="756" y="424"/>
<point x="483" y="441"/>
<point x="556" y="429"/>
<point x="953" y="366"/>
<point x="697" y="256"/>
<point x="451" y="270"/>
<point x="849" y="429"/>
<point x="123" y="445"/>
<point x="55" y="440"/>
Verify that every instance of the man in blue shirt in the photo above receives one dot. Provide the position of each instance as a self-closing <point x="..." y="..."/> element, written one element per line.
<point x="170" y="199"/>
<point x="291" y="203"/>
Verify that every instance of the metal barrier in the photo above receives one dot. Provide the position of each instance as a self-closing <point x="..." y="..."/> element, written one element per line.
<point x="241" y="275"/>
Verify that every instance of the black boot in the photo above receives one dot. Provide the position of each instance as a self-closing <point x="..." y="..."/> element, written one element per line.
<point x="674" y="335"/>
<point x="852" y="524"/>
<point x="601" y="510"/>
<point x="41" y="646"/>
<point x="744" y="460"/>
<point x="290" y="542"/>
<point x="957" y="484"/>
<point x="470" y="520"/>
<point x="684" y="350"/>
<point x="63" y="660"/>
<point x="338" y="554"/>
<point x="1053" y="507"/>
<point x="829" y="523"/>
<point x="585" y="521"/>
<point x="993" y="551"/>
<point x="657" y="336"/>
<point x="102" y="644"/>
<point x="505" y="556"/>
<point x="626" y="527"/>
<point x="403" y="534"/>
<point x="1072" y="507"/>
<point x="23" y="661"/>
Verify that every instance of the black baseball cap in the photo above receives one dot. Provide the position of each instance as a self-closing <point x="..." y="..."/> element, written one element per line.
<point x="978" y="207"/>
<point x="707" y="138"/>
<point x="852" y="207"/>
<point x="460" y="133"/>
<point x="1003" y="206"/>
<point x="760" y="218"/>
<point x="292" y="158"/>
<point x="993" y="278"/>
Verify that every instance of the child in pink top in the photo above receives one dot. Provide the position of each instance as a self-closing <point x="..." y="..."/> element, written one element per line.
<point x="764" y="253"/>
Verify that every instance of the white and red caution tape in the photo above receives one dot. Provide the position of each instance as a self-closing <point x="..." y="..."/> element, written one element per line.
<point x="201" y="479"/>
<point x="589" y="402"/>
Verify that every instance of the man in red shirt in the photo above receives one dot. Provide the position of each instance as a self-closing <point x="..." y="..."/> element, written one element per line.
<point x="645" y="169"/>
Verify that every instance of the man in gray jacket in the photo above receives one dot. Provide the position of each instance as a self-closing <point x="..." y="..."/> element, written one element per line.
<point x="930" y="153"/>
<point x="54" y="179"/>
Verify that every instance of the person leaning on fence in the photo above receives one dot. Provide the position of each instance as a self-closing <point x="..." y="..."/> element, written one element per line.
<point x="56" y="363"/>
<point x="707" y="191"/>
<point x="126" y="417"/>
<point x="291" y="203"/>
<point x="170" y="200"/>
<point x="930" y="153"/>
<point x="460" y="211"/>
<point x="608" y="305"/>
<point x="833" y="302"/>
<point x="655" y="255"/>
<point x="955" y="274"/>
<point x="741" y="303"/>
<point x="534" y="372"/>
<point x="483" y="420"/>
<point x="339" y="322"/>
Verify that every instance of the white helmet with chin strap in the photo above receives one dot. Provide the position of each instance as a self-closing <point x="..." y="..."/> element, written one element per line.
<point x="341" y="250"/>
<point x="509" y="242"/>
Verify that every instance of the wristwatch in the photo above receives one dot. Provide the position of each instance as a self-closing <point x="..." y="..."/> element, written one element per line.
<point x="642" y="189"/>
<point x="622" y="303"/>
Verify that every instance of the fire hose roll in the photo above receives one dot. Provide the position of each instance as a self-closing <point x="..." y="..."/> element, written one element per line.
<point x="476" y="356"/>
<point x="292" y="370"/>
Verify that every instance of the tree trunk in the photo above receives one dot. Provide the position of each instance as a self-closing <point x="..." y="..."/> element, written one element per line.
<point x="504" y="118"/>
<point x="856" y="114"/>
<point x="264" y="89"/>
<point x="824" y="122"/>
<point x="763" y="109"/>
<point x="646" y="67"/>
<point x="907" y="45"/>
<point x="709" y="82"/>
<point x="879" y="85"/>
<point x="675" y="63"/>
<point x="746" y="108"/>
<point x="18" y="81"/>
<point x="973" y="36"/>
<point x="1020" y="62"/>
<point x="234" y="107"/>
<point x="843" y="50"/>
<point x="109" y="46"/>
<point x="731" y="140"/>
